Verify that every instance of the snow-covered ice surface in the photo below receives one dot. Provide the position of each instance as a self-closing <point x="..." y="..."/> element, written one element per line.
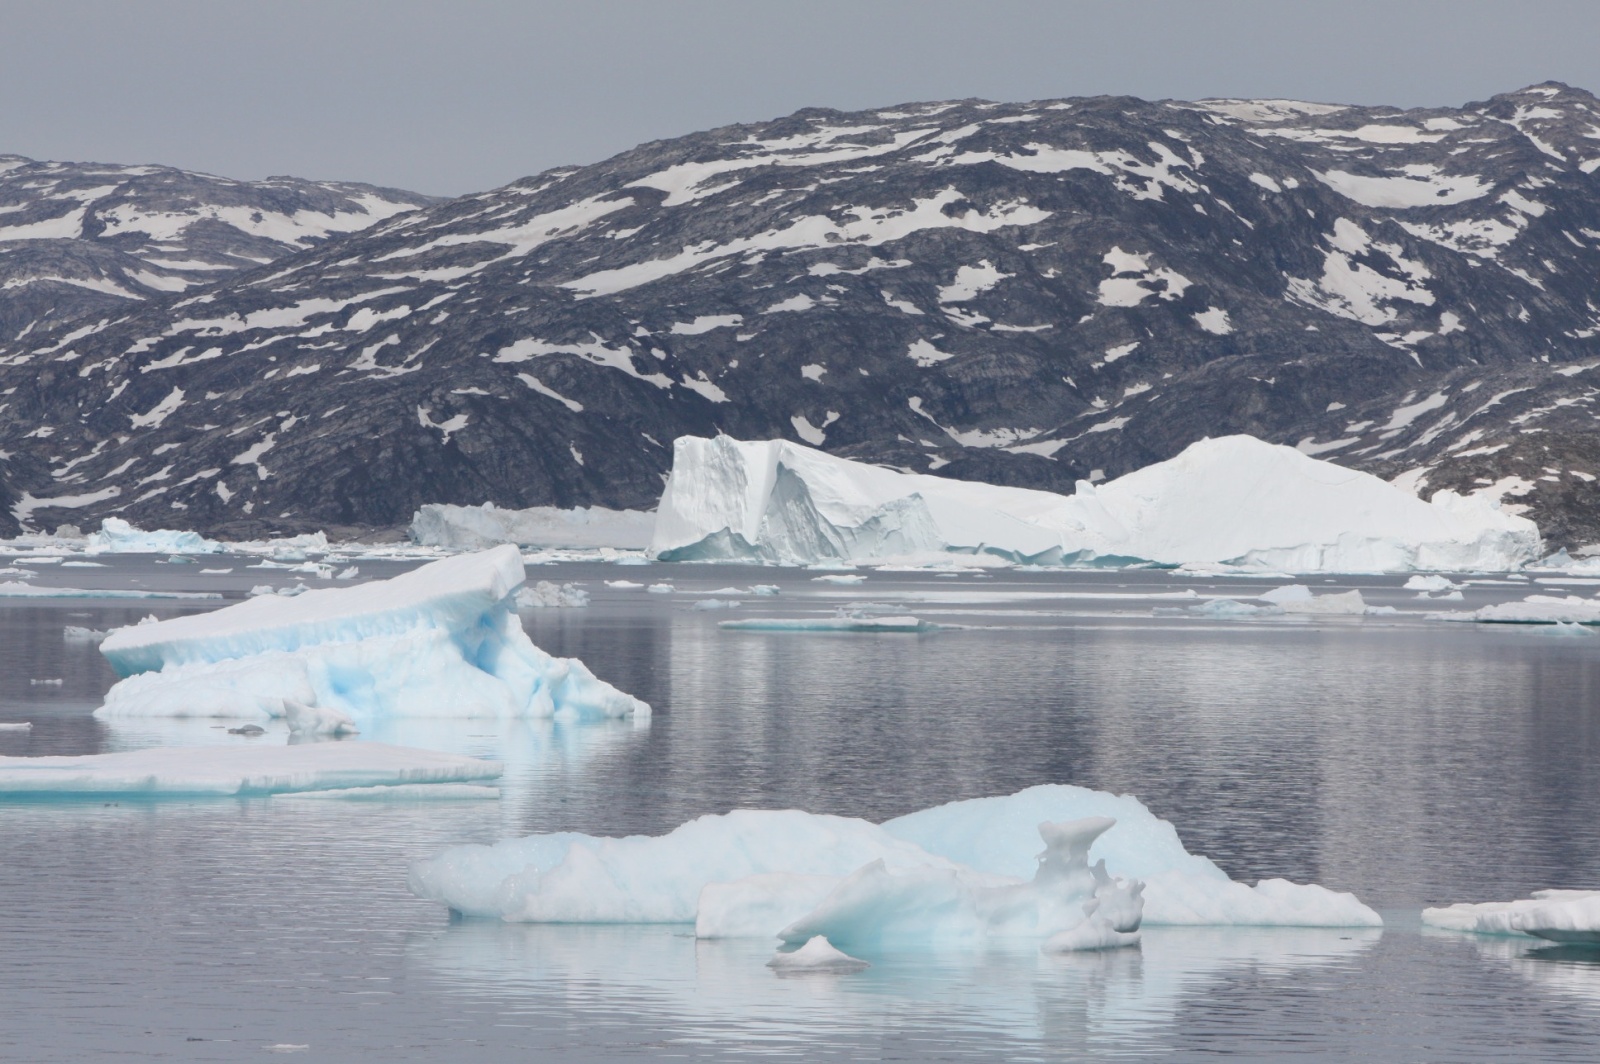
<point x="817" y="955"/>
<point x="439" y="641"/>
<point x="476" y="527"/>
<point x="1230" y="501"/>
<point x="1571" y="916"/>
<point x="238" y="770"/>
<point x="957" y="874"/>
<point x="1535" y="609"/>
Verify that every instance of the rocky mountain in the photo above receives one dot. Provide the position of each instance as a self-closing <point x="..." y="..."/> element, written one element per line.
<point x="87" y="238"/>
<point x="1024" y="293"/>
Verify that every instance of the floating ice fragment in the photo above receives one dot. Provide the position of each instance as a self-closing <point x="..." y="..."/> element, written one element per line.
<point x="661" y="589"/>
<point x="1571" y="916"/>
<point x="1228" y="608"/>
<point x="16" y="726"/>
<point x="12" y="589"/>
<point x="548" y="595"/>
<point x="237" y="770"/>
<point x="440" y="641"/>
<point x="1434" y="582"/>
<point x="345" y="574"/>
<point x="715" y="604"/>
<point x="1535" y="609"/>
<point x="817" y="955"/>
<point x="856" y="623"/>
<point x="1297" y="598"/>
<point x="53" y="682"/>
<point x="842" y="578"/>
<point x="624" y="585"/>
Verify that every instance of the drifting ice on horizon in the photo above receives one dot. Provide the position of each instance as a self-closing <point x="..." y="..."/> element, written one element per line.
<point x="440" y="641"/>
<point x="1234" y="500"/>
<point x="957" y="874"/>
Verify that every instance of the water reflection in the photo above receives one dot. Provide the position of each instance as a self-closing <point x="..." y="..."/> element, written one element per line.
<point x="1120" y="1002"/>
<point x="1570" y="971"/>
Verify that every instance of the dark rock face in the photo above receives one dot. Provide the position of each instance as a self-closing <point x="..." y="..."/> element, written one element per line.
<point x="1024" y="293"/>
<point x="93" y="238"/>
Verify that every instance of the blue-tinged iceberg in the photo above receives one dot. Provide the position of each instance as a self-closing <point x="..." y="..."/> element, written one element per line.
<point x="117" y="536"/>
<point x="366" y="769"/>
<point x="1234" y="500"/>
<point x="961" y="874"/>
<point x="440" y="641"/>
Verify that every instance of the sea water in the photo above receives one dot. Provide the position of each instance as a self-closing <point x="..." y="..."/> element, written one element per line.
<point x="1413" y="762"/>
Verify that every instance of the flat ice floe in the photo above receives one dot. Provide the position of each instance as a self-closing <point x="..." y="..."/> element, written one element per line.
<point x="957" y="875"/>
<point x="1557" y="915"/>
<point x="476" y="527"/>
<point x="1232" y="501"/>
<point x="440" y="641"/>
<point x="244" y="770"/>
<point x="1535" y="609"/>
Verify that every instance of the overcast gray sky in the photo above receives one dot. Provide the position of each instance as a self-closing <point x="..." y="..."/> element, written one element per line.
<point x="466" y="95"/>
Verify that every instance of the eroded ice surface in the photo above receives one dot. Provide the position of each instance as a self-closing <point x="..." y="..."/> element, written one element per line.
<point x="1557" y="915"/>
<point x="1535" y="609"/>
<point x="440" y="641"/>
<point x="476" y="527"/>
<point x="117" y="536"/>
<point x="1234" y="501"/>
<point x="759" y="873"/>
<point x="253" y="769"/>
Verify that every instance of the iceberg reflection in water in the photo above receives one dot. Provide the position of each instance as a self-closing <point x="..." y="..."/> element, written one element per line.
<point x="718" y="992"/>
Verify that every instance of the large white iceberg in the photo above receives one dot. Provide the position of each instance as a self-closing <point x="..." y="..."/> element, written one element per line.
<point x="476" y="527"/>
<point x="1234" y="500"/>
<point x="959" y="873"/>
<point x="242" y="770"/>
<point x="440" y="641"/>
<point x="1558" y="915"/>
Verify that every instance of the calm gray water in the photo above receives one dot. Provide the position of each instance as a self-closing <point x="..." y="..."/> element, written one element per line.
<point x="1414" y="762"/>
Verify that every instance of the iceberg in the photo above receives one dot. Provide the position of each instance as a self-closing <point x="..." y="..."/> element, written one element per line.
<point x="477" y="527"/>
<point x="960" y="874"/>
<point x="1233" y="501"/>
<point x="1570" y="916"/>
<point x="440" y="641"/>
<point x="238" y="770"/>
<point x="117" y="536"/>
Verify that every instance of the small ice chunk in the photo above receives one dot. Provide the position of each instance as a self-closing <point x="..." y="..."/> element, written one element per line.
<point x="1430" y="582"/>
<point x="348" y="574"/>
<point x="51" y="682"/>
<point x="549" y="595"/>
<point x="1297" y="598"/>
<point x="624" y="585"/>
<point x="15" y="726"/>
<point x="763" y="589"/>
<point x="661" y="589"/>
<point x="215" y="572"/>
<point x="840" y="578"/>
<point x="715" y="604"/>
<point x="817" y="955"/>
<point x="73" y="633"/>
<point x="1230" y="608"/>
